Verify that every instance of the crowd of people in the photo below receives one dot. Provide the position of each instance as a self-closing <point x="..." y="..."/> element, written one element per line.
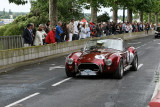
<point x="62" y="32"/>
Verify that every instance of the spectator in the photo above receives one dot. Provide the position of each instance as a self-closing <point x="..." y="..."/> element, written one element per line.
<point x="59" y="31"/>
<point x="147" y="27"/>
<point x="127" y="28"/>
<point x="65" y="35"/>
<point x="27" y="35"/>
<point x="40" y="36"/>
<point x="75" y="34"/>
<point x="134" y="27"/>
<point x="124" y="27"/>
<point x="33" y="32"/>
<point x="120" y="29"/>
<point x="79" y="30"/>
<point x="113" y="28"/>
<point x="83" y="31"/>
<point x="98" y="32"/>
<point x="117" y="28"/>
<point x="89" y="31"/>
<point x="71" y="29"/>
<point x="107" y="29"/>
<point x="50" y="39"/>
<point x="130" y="28"/>
<point x="138" y="27"/>
<point x="47" y="29"/>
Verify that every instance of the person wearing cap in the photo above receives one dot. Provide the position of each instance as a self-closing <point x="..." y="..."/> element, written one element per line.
<point x="40" y="36"/>
<point x="27" y="35"/>
<point x="100" y="45"/>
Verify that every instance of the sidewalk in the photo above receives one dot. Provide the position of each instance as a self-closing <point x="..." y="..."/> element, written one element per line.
<point x="155" y="100"/>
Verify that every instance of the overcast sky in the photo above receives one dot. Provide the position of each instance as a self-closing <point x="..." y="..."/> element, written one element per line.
<point x="26" y="8"/>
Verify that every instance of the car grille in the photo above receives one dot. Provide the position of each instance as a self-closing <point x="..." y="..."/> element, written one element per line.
<point x="90" y="66"/>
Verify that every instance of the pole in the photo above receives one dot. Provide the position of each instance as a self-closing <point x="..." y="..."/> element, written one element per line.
<point x="123" y="14"/>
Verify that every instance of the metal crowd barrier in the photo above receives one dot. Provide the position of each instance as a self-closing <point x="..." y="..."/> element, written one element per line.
<point x="11" y="42"/>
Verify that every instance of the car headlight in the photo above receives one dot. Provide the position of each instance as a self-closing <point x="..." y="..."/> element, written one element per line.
<point x="70" y="61"/>
<point x="108" y="62"/>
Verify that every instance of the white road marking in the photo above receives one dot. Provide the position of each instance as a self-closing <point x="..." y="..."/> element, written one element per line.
<point x="138" y="47"/>
<point x="135" y="43"/>
<point x="56" y="67"/>
<point x="53" y="64"/>
<point x="58" y="83"/>
<point x="140" y="66"/>
<point x="47" y="81"/>
<point x="158" y="43"/>
<point x="19" y="101"/>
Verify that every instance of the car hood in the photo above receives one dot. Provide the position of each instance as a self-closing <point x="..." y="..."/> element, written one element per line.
<point x="96" y="57"/>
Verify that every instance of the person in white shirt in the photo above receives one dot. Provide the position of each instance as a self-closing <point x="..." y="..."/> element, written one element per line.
<point x="130" y="28"/>
<point x="40" y="36"/>
<point x="75" y="34"/>
<point x="88" y="31"/>
<point x="83" y="31"/>
<point x="71" y="29"/>
<point x="127" y="28"/>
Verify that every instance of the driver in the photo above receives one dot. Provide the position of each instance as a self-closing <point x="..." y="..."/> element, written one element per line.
<point x="100" y="45"/>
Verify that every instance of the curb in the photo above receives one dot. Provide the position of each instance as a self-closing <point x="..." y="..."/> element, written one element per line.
<point x="155" y="102"/>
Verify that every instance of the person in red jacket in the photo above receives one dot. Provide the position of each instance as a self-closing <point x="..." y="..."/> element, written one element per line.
<point x="50" y="39"/>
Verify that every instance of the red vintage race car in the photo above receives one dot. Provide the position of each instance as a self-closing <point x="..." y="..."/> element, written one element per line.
<point x="102" y="56"/>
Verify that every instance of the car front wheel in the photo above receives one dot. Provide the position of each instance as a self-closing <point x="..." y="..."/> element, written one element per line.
<point x="120" y="70"/>
<point x="70" y="74"/>
<point x="135" y="63"/>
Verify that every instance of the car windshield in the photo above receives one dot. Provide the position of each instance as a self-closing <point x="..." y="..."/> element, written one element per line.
<point x="104" y="44"/>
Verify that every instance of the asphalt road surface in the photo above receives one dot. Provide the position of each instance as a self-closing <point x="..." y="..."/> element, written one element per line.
<point x="46" y="85"/>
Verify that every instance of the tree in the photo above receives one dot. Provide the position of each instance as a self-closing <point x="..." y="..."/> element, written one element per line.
<point x="53" y="12"/>
<point x="94" y="5"/>
<point x="103" y="18"/>
<point x="156" y="9"/>
<point x="18" y="2"/>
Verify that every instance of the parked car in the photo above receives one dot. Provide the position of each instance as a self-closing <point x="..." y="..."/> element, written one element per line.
<point x="102" y="56"/>
<point x="157" y="32"/>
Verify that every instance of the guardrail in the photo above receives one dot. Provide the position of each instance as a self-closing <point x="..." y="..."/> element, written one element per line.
<point x="11" y="42"/>
<point x="12" y="56"/>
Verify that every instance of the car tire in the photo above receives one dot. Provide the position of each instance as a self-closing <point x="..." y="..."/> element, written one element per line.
<point x="156" y="36"/>
<point x="70" y="74"/>
<point x="135" y="63"/>
<point x="120" y="70"/>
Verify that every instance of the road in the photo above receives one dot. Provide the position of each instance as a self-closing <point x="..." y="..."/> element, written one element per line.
<point x="46" y="85"/>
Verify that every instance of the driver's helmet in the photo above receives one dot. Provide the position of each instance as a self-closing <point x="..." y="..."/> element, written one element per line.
<point x="100" y="43"/>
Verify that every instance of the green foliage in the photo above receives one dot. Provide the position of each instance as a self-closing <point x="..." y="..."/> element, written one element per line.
<point x="103" y="18"/>
<point x="39" y="14"/>
<point x="3" y="29"/>
<point x="18" y="2"/>
<point x="13" y="30"/>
